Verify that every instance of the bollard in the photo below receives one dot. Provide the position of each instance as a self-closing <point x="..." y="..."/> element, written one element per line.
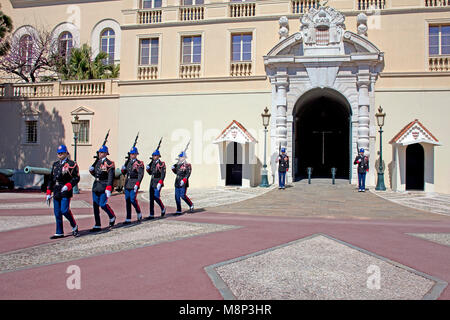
<point x="309" y="171"/>
<point x="333" y="174"/>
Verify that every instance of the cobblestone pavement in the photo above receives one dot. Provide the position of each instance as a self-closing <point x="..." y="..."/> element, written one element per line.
<point x="212" y="197"/>
<point x="427" y="201"/>
<point x="154" y="259"/>
<point x="320" y="268"/>
<point x="322" y="199"/>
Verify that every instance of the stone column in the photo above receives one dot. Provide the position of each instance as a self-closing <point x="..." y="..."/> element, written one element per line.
<point x="281" y="118"/>
<point x="363" y="116"/>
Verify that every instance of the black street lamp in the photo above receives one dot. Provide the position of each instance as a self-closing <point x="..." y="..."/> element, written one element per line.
<point x="265" y="118"/>
<point x="380" y="121"/>
<point x="76" y="130"/>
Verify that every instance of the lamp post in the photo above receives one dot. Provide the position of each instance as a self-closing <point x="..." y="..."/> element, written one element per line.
<point x="76" y="130"/>
<point x="380" y="121"/>
<point x="265" y="118"/>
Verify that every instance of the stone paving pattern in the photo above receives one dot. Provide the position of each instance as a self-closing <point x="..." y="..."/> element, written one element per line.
<point x="320" y="269"/>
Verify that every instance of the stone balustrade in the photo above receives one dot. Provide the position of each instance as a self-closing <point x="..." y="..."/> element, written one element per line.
<point x="439" y="63"/>
<point x="242" y="9"/>
<point x="302" y="6"/>
<point x="188" y="71"/>
<point x="371" y="4"/>
<point x="149" y="16"/>
<point x="149" y="72"/>
<point x="241" y="69"/>
<point x="59" y="89"/>
<point x="437" y="3"/>
<point x="192" y="13"/>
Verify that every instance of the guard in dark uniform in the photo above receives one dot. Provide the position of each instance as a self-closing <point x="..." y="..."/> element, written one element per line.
<point x="63" y="177"/>
<point x="133" y="170"/>
<point x="103" y="172"/>
<point x="157" y="169"/>
<point x="362" y="162"/>
<point x="283" y="167"/>
<point x="183" y="171"/>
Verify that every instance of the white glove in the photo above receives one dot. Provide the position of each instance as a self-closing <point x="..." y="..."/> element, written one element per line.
<point x="64" y="189"/>
<point x="136" y="188"/>
<point x="123" y="167"/>
<point x="158" y="186"/>
<point x="47" y="199"/>
<point x="181" y="183"/>
<point x="91" y="168"/>
<point x="108" y="193"/>
<point x="147" y="167"/>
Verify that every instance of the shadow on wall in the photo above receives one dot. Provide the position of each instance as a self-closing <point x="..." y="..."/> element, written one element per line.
<point x="15" y="152"/>
<point x="390" y="173"/>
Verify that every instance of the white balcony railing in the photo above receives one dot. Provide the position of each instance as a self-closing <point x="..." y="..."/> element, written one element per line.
<point x="192" y="13"/>
<point x="188" y="71"/>
<point x="371" y="4"/>
<point x="439" y="63"/>
<point x="241" y="69"/>
<point x="147" y="72"/>
<point x="33" y="90"/>
<point x="242" y="9"/>
<point x="58" y="89"/>
<point x="302" y="6"/>
<point x="437" y="3"/>
<point x="149" y="16"/>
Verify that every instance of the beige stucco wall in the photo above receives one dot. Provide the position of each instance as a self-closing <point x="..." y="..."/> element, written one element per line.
<point x="55" y="128"/>
<point x="431" y="108"/>
<point x="177" y="118"/>
<point x="168" y="105"/>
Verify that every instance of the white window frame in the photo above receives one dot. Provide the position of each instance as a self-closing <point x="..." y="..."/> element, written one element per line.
<point x="192" y="49"/>
<point x="108" y="44"/>
<point x="141" y="4"/>
<point x="83" y="114"/>
<point x="439" y="39"/>
<point x="241" y="52"/>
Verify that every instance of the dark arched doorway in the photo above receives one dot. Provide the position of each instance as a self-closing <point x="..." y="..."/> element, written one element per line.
<point x="234" y="165"/>
<point x="322" y="134"/>
<point x="415" y="167"/>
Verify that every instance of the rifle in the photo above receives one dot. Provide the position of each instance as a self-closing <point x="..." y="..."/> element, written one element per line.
<point x="187" y="146"/>
<point x="96" y="157"/>
<point x="134" y="145"/>
<point x="157" y="148"/>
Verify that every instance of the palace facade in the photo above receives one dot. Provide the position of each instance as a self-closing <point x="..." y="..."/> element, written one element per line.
<point x="203" y="71"/>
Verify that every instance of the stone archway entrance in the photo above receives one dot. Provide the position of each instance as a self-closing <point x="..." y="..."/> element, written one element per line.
<point x="321" y="137"/>
<point x="323" y="56"/>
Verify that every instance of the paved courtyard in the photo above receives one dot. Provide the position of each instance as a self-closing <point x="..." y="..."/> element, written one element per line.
<point x="317" y="241"/>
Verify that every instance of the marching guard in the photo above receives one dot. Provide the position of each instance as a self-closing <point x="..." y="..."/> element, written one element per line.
<point x="183" y="171"/>
<point x="63" y="177"/>
<point x="157" y="169"/>
<point x="133" y="170"/>
<point x="103" y="171"/>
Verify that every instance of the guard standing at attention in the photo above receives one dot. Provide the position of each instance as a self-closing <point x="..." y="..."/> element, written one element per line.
<point x="157" y="169"/>
<point x="183" y="171"/>
<point x="133" y="170"/>
<point x="363" y="167"/>
<point x="63" y="177"/>
<point x="283" y="167"/>
<point x="103" y="171"/>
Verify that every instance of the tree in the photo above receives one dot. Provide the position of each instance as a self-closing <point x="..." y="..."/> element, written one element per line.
<point x="29" y="55"/>
<point x="81" y="66"/>
<point x="6" y="27"/>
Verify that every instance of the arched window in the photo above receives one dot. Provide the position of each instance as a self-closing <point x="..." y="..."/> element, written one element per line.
<point x="26" y="50"/>
<point x="107" y="43"/>
<point x="65" y="44"/>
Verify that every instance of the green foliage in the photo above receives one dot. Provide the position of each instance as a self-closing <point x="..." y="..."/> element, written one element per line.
<point x="81" y="66"/>
<point x="6" y="27"/>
